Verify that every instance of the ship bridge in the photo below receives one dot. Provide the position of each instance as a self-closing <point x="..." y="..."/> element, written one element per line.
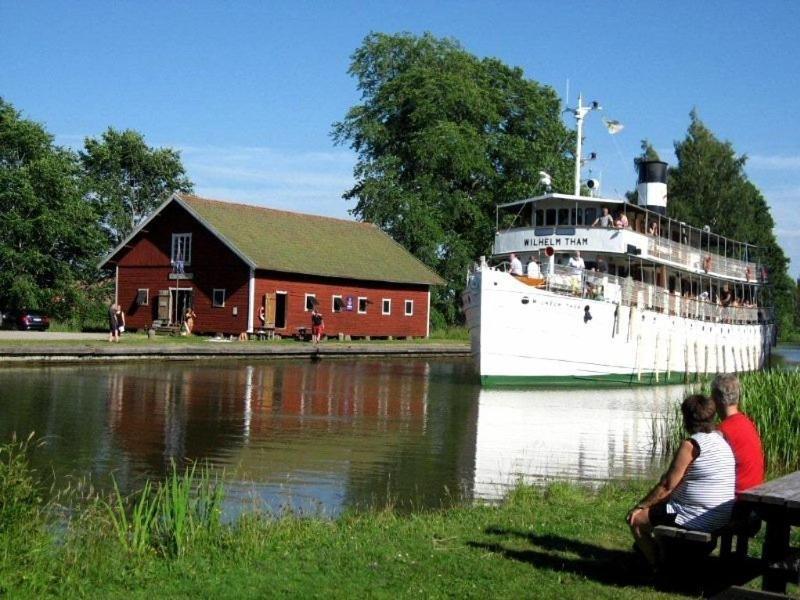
<point x="564" y="223"/>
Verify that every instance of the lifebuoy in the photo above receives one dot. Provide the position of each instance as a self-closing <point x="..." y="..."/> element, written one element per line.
<point x="549" y="251"/>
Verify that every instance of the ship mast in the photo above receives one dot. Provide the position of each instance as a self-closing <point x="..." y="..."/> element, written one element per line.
<point x="579" y="113"/>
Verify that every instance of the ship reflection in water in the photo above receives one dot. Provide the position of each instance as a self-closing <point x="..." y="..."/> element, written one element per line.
<point x="328" y="435"/>
<point x="590" y="435"/>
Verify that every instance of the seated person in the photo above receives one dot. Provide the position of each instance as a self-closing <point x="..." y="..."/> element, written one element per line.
<point x="622" y="221"/>
<point x="697" y="491"/>
<point x="739" y="431"/>
<point x="652" y="229"/>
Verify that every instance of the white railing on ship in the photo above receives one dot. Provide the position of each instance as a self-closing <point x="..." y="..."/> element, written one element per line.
<point x="626" y="291"/>
<point x="697" y="259"/>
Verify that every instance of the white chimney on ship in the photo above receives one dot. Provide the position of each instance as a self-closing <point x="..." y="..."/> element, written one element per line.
<point x="652" y="186"/>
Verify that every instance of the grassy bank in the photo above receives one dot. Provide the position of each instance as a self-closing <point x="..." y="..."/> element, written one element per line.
<point x="168" y="541"/>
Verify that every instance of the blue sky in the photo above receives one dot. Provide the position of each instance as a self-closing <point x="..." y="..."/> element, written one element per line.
<point x="248" y="90"/>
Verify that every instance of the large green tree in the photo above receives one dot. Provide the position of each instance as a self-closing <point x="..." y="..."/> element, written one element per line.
<point x="128" y="179"/>
<point x="442" y="137"/>
<point x="709" y="187"/>
<point x="49" y="238"/>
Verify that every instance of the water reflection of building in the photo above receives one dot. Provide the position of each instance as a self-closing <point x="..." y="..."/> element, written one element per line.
<point x="592" y="435"/>
<point x="287" y="421"/>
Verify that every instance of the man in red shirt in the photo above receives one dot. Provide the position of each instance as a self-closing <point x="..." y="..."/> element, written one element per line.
<point x="739" y="431"/>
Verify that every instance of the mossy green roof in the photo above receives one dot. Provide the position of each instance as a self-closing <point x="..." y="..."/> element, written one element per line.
<point x="290" y="242"/>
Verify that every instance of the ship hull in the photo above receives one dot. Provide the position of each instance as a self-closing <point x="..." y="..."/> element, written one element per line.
<point x="523" y="335"/>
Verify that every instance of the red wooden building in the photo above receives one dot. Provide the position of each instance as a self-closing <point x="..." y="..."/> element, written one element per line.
<point x="229" y="260"/>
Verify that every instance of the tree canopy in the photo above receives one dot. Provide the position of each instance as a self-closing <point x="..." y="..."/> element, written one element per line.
<point x="128" y="179"/>
<point x="709" y="187"/>
<point x="442" y="137"/>
<point x="50" y="239"/>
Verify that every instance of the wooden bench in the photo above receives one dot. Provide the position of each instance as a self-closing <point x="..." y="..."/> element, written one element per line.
<point x="677" y="542"/>
<point x="264" y="333"/>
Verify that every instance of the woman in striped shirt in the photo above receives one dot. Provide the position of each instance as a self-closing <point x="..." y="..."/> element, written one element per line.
<point x="697" y="492"/>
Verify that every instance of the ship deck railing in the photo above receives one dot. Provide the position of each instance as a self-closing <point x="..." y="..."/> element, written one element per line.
<point x="626" y="291"/>
<point x="699" y="260"/>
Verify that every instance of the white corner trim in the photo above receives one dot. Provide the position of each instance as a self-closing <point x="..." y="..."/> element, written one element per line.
<point x="251" y="301"/>
<point x="428" y="320"/>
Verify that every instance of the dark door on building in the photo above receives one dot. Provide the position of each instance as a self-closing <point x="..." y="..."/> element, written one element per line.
<point x="280" y="310"/>
<point x="180" y="300"/>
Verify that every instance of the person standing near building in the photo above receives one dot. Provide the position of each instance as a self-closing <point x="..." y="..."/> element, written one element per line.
<point x="188" y="320"/>
<point x="317" y="325"/>
<point x="113" y="325"/>
<point x="120" y="321"/>
<point x="739" y="431"/>
<point x="516" y="265"/>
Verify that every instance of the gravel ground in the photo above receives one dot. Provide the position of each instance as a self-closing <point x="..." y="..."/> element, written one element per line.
<point x="53" y="336"/>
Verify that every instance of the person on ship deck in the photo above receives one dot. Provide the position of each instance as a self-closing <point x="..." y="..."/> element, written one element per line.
<point x="604" y="220"/>
<point x="516" y="265"/>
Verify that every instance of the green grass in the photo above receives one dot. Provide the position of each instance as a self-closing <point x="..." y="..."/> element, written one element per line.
<point x="167" y="541"/>
<point x="454" y="333"/>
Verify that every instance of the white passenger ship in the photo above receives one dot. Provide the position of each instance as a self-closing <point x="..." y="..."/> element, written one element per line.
<point x="656" y="301"/>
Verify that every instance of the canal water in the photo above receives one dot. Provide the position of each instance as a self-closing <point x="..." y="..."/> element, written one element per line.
<point x="329" y="435"/>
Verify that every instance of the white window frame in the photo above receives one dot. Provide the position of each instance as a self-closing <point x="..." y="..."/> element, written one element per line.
<point x="406" y="311"/>
<point x="305" y="302"/>
<point x="333" y="303"/>
<point x="187" y="260"/>
<point x="383" y="306"/>
<point x="358" y="305"/>
<point x="146" y="296"/>
<point x="214" y="303"/>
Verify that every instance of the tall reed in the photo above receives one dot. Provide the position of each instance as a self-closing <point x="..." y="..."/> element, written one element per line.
<point x="168" y="517"/>
<point x="772" y="400"/>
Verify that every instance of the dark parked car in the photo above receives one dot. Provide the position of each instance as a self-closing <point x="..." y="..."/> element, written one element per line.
<point x="25" y="320"/>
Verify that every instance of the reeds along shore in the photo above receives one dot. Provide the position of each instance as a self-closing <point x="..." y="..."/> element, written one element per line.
<point x="167" y="541"/>
<point x="772" y="400"/>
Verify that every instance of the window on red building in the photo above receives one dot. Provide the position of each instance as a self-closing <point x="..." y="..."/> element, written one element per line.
<point x="386" y="306"/>
<point x="409" y="308"/>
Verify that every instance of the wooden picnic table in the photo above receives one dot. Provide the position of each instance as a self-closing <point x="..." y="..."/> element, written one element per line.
<point x="777" y="502"/>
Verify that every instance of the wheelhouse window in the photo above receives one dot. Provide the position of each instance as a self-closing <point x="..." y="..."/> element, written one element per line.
<point x="218" y="298"/>
<point x="538" y="219"/>
<point x="181" y="250"/>
<point x="386" y="306"/>
<point x="337" y="304"/>
<point x="409" y="308"/>
<point x="311" y="302"/>
<point x="362" y="305"/>
<point x="550" y="216"/>
<point x="589" y="215"/>
<point x="563" y="216"/>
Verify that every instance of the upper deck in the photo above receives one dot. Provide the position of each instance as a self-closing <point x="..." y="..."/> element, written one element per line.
<point x="564" y="222"/>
